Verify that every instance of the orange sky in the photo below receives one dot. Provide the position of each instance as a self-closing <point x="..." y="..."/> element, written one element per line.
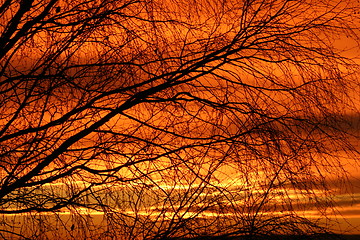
<point x="350" y="204"/>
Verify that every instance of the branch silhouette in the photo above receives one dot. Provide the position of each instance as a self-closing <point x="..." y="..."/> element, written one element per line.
<point x="139" y="119"/>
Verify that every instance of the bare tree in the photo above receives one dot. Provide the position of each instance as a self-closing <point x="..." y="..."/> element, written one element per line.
<point x="157" y="119"/>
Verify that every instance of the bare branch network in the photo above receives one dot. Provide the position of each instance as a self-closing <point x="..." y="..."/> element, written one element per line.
<point x="154" y="119"/>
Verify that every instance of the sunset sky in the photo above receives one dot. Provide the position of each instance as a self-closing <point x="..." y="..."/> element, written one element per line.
<point x="179" y="118"/>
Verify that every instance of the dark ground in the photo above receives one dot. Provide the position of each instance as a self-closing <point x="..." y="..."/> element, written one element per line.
<point x="351" y="237"/>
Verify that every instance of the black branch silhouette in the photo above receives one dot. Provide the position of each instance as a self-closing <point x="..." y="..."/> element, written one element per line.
<point x="139" y="119"/>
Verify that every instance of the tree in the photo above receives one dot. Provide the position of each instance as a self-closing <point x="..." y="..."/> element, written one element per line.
<point x="159" y="119"/>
